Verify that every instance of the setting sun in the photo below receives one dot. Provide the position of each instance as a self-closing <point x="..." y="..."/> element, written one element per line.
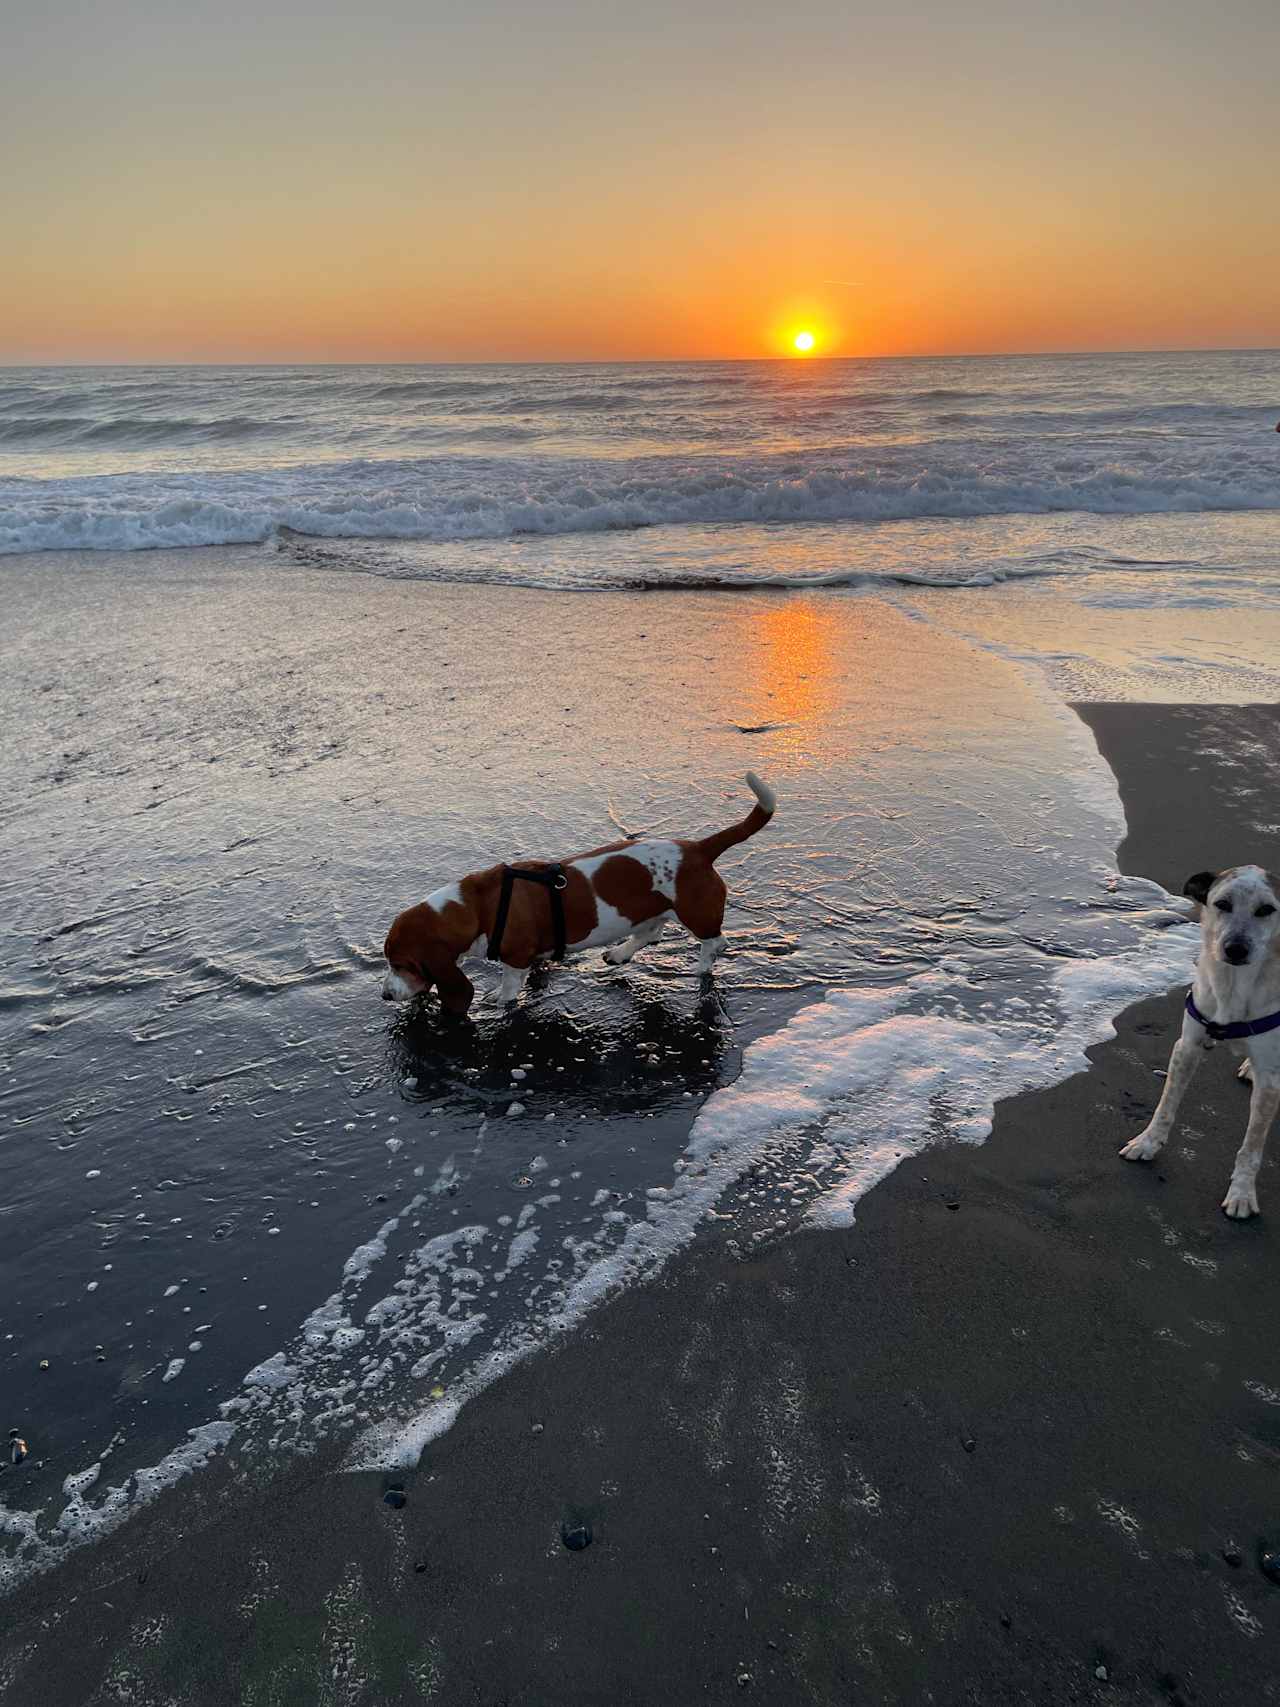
<point x="804" y="342"/>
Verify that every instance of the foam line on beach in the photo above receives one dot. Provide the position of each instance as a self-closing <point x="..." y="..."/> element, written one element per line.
<point x="837" y="1097"/>
<point x="843" y="1093"/>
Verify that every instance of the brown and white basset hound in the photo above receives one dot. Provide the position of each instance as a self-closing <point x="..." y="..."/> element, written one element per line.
<point x="621" y="895"/>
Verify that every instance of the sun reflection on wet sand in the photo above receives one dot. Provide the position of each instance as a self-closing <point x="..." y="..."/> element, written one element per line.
<point x="792" y="671"/>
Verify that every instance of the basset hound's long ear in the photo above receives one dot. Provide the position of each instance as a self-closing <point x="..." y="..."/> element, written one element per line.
<point x="1197" y="887"/>
<point x="456" y="989"/>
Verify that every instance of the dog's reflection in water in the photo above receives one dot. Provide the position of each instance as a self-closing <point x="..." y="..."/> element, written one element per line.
<point x="622" y="1048"/>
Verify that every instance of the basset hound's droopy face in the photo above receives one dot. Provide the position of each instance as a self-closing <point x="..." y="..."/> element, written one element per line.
<point x="426" y="942"/>
<point x="617" y="898"/>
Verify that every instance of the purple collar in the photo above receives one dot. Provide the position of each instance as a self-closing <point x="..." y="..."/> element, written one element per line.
<point x="1237" y="1028"/>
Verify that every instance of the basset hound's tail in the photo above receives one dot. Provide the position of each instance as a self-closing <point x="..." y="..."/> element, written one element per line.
<point x="766" y="805"/>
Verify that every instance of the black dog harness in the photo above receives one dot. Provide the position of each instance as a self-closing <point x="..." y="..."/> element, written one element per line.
<point x="1237" y="1028"/>
<point x="553" y="880"/>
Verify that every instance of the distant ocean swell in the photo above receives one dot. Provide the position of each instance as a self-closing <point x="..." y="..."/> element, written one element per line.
<point x="298" y="393"/>
<point x="27" y="432"/>
<point x="399" y="412"/>
<point x="162" y="433"/>
<point x="452" y="499"/>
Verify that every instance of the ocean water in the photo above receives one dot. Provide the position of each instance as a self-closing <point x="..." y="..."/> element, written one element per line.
<point x="137" y="457"/>
<point x="285" y="649"/>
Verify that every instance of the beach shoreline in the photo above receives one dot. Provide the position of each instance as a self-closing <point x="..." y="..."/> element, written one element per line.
<point x="1012" y="1437"/>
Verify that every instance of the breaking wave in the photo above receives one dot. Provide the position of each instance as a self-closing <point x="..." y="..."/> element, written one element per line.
<point x="131" y="459"/>
<point x="450" y="499"/>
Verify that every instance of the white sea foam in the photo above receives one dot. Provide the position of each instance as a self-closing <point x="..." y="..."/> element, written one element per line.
<point x="80" y="1522"/>
<point x="416" y="503"/>
<point x="838" y="1097"/>
<point x="847" y="1089"/>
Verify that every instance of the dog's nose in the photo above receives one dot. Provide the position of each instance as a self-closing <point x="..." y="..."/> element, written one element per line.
<point x="1236" y="951"/>
<point x="387" y="996"/>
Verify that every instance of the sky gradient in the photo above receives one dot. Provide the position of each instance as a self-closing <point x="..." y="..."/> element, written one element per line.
<point x="573" y="180"/>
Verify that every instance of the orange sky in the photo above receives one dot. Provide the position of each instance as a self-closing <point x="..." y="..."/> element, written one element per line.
<point x="594" y="181"/>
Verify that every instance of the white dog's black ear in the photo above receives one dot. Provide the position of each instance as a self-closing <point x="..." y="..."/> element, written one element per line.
<point x="1197" y="888"/>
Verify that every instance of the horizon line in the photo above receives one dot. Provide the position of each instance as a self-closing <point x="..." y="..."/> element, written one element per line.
<point x="662" y="361"/>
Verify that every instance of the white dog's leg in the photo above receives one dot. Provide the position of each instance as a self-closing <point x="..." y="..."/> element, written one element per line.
<point x="1241" y="1200"/>
<point x="640" y="938"/>
<point x="711" y="950"/>
<point x="513" y="981"/>
<point x="1182" y="1066"/>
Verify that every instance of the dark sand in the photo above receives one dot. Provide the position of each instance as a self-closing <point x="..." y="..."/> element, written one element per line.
<point x="1003" y="1434"/>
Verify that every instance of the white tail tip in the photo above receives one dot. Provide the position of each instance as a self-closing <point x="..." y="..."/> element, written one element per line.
<point x="763" y="793"/>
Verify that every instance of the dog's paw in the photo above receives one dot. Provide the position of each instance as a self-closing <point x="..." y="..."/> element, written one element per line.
<point x="1241" y="1201"/>
<point x="616" y="956"/>
<point x="1245" y="1070"/>
<point x="1141" y="1149"/>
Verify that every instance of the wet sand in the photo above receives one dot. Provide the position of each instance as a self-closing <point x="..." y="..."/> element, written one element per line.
<point x="1014" y="1438"/>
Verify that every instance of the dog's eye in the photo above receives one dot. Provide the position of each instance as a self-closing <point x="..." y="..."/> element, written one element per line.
<point x="1263" y="912"/>
<point x="1223" y="906"/>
